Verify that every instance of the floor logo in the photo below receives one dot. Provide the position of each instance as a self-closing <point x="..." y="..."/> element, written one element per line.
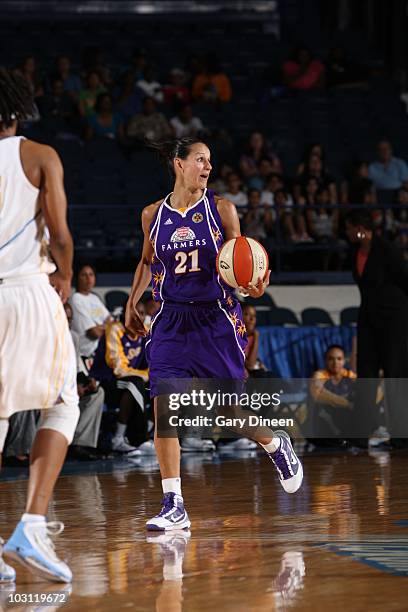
<point x="385" y="554"/>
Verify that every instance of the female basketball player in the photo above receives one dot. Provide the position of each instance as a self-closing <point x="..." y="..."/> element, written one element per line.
<point x="198" y="330"/>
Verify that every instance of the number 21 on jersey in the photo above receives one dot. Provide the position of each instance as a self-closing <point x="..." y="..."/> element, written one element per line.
<point x="183" y="266"/>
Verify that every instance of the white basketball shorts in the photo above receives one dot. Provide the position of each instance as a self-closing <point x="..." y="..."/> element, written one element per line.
<point x="37" y="355"/>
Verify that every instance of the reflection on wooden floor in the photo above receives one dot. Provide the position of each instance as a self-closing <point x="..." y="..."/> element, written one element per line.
<point x="339" y="544"/>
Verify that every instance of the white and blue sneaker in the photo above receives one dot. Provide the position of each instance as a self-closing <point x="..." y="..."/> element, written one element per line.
<point x="288" y="466"/>
<point x="30" y="545"/>
<point x="7" y="573"/>
<point x="172" y="515"/>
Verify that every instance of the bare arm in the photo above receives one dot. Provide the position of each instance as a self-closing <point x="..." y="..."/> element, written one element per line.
<point x="142" y="275"/>
<point x="54" y="206"/>
<point x="95" y="332"/>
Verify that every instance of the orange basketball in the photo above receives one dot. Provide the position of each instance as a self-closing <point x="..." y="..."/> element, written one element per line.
<point x="241" y="261"/>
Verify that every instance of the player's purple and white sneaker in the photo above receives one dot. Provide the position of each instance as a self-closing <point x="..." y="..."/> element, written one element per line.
<point x="288" y="466"/>
<point x="172" y="515"/>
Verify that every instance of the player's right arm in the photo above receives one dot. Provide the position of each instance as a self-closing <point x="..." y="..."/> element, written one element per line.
<point x="141" y="280"/>
<point x="54" y="207"/>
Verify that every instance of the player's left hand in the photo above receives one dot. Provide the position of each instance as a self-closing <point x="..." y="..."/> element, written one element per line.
<point x="257" y="290"/>
<point x="62" y="285"/>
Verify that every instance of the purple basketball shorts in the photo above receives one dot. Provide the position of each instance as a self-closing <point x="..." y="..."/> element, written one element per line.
<point x="198" y="340"/>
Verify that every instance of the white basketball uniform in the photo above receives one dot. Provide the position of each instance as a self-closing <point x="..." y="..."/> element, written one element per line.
<point x="37" y="357"/>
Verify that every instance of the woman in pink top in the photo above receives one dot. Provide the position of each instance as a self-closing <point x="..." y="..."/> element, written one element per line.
<point x="302" y="71"/>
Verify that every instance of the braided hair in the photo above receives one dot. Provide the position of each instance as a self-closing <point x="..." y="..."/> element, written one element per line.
<point x="16" y="98"/>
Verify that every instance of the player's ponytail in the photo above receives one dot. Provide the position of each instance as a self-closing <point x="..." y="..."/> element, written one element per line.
<point x="168" y="150"/>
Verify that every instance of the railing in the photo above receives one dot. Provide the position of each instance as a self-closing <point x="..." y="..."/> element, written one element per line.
<point x="101" y="240"/>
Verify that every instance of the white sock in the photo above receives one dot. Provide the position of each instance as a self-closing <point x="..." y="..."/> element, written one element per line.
<point x="272" y="446"/>
<point x="120" y="430"/>
<point x="32" y="518"/>
<point x="171" y="485"/>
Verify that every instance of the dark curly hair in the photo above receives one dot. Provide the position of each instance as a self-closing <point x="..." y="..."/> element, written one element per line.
<point x="16" y="98"/>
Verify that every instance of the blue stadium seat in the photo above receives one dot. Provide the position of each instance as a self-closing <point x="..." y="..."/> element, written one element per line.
<point x="316" y="317"/>
<point x="282" y="316"/>
<point x="116" y="299"/>
<point x="349" y="316"/>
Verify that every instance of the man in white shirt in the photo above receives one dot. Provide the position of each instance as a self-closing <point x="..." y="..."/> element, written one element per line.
<point x="150" y="87"/>
<point x="184" y="124"/>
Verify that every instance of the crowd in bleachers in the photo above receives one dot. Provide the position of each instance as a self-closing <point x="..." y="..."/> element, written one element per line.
<point x="293" y="136"/>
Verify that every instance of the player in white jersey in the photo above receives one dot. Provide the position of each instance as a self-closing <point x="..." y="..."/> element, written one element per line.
<point x="37" y="359"/>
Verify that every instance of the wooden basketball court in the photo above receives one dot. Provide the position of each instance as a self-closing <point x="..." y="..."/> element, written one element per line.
<point x="341" y="543"/>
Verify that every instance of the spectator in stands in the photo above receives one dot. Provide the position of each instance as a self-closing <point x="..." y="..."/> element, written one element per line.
<point x="313" y="149"/>
<point x="150" y="87"/>
<point x="212" y="85"/>
<point x="149" y="124"/>
<point x="91" y="399"/>
<point x="138" y="63"/>
<point x="194" y="65"/>
<point x="89" y="95"/>
<point x="58" y="108"/>
<point x="265" y="169"/>
<point x="253" y="364"/>
<point x="219" y="183"/>
<point x="104" y="122"/>
<point x="389" y="172"/>
<point x="30" y="72"/>
<point x="364" y="192"/>
<point x="303" y="71"/>
<point x="71" y="82"/>
<point x="291" y="223"/>
<point x="258" y="221"/>
<point x="273" y="183"/>
<point x="176" y="92"/>
<point x="184" y="124"/>
<point x="350" y="188"/>
<point x="20" y="437"/>
<point x="343" y="72"/>
<point x="257" y="149"/>
<point x="120" y="364"/>
<point x="90" y="315"/>
<point x="309" y="191"/>
<point x="128" y="97"/>
<point x="314" y="168"/>
<point x="93" y="61"/>
<point x="322" y="224"/>
<point x="234" y="191"/>
<point x="323" y="221"/>
<point x="332" y="391"/>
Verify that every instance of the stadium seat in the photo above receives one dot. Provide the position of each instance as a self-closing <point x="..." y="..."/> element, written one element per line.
<point x="349" y="316"/>
<point x="116" y="299"/>
<point x="316" y="316"/>
<point x="282" y="316"/>
<point x="264" y="300"/>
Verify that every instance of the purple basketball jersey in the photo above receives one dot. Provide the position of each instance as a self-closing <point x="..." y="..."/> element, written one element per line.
<point x="185" y="249"/>
<point x="198" y="331"/>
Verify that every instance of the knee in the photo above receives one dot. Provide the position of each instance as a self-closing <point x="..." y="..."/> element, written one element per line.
<point x="61" y="418"/>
